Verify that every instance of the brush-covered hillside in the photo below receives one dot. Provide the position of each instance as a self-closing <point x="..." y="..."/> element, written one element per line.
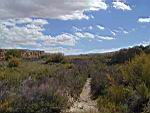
<point x="120" y="82"/>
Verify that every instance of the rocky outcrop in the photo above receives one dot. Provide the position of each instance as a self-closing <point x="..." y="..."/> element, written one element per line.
<point x="31" y="53"/>
<point x="24" y="53"/>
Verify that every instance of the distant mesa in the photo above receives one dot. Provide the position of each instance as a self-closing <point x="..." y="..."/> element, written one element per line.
<point x="24" y="53"/>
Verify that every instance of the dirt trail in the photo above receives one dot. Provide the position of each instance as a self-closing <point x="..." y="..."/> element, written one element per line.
<point x="84" y="104"/>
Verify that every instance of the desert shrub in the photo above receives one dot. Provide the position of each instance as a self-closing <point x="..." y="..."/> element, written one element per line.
<point x="4" y="94"/>
<point x="55" y="58"/>
<point x="125" y="55"/>
<point x="136" y="102"/>
<point x="44" y="57"/>
<point x="12" y="53"/>
<point x="137" y="71"/>
<point x="123" y="88"/>
<point x="68" y="65"/>
<point x="147" y="49"/>
<point x="118" y="94"/>
<point x="33" y="70"/>
<point x="107" y="106"/>
<point x="72" y="79"/>
<point x="65" y="79"/>
<point x="34" y="97"/>
<point x="143" y="91"/>
<point x="99" y="83"/>
<point x="137" y="74"/>
<point x="14" y="62"/>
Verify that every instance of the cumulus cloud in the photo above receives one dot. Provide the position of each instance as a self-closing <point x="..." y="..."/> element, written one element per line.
<point x="55" y="9"/>
<point x="144" y="20"/>
<point x="28" y="33"/>
<point x="121" y="5"/>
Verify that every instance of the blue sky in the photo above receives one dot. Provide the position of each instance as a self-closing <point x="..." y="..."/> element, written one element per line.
<point x="74" y="27"/>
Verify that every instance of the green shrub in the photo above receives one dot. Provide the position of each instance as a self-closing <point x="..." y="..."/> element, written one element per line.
<point x="13" y="62"/>
<point x="99" y="83"/>
<point x="107" y="106"/>
<point x="64" y="80"/>
<point x="137" y="71"/>
<point x="125" y="55"/>
<point x="34" y="97"/>
<point x="68" y="66"/>
<point x="118" y="94"/>
<point x="137" y="74"/>
<point x="55" y="58"/>
<point x="13" y="53"/>
<point x="40" y="103"/>
<point x="143" y="91"/>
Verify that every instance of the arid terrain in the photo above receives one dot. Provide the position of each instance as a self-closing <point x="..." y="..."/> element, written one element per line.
<point x="84" y="103"/>
<point x="116" y="82"/>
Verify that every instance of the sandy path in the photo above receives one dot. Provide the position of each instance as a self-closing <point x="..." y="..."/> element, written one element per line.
<point x="84" y="104"/>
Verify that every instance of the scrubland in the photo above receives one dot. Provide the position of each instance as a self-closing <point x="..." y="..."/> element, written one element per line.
<point x="120" y="82"/>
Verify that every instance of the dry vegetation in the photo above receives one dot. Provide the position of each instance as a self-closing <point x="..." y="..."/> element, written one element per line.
<point x="120" y="82"/>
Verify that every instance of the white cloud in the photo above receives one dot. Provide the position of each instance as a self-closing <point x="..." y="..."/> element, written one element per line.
<point x="66" y="51"/>
<point x="97" y="4"/>
<point x="105" y="37"/>
<point x="100" y="27"/>
<point x="85" y="35"/>
<point x="30" y="35"/>
<point x="55" y="9"/>
<point x="87" y="28"/>
<point x="92" y="17"/>
<point x="28" y="21"/>
<point x="76" y="28"/>
<point x="144" y="20"/>
<point x="76" y="15"/>
<point x="90" y="27"/>
<point x="90" y="36"/>
<point x="125" y="32"/>
<point x="121" y="6"/>
<point x="113" y="33"/>
<point x="114" y="49"/>
<point x="119" y="30"/>
<point x="102" y="50"/>
<point x="65" y="39"/>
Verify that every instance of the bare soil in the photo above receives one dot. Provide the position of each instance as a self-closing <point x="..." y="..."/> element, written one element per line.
<point x="84" y="103"/>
